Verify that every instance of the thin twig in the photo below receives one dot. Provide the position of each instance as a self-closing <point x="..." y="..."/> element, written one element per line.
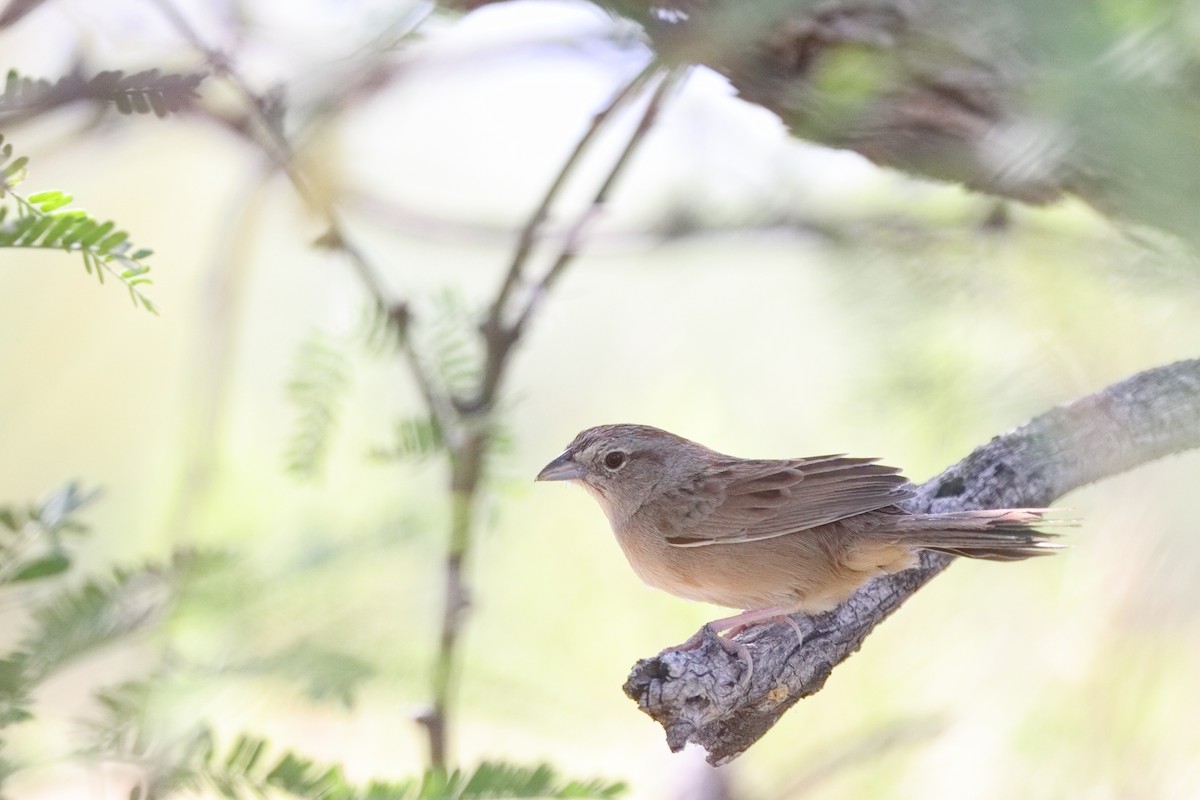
<point x="574" y="237"/>
<point x="279" y="149"/>
<point x="476" y="417"/>
<point x="529" y="233"/>
<point x="399" y="317"/>
<point x="465" y="424"/>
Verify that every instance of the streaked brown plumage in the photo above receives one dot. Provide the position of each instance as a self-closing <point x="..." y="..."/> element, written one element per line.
<point x="771" y="537"/>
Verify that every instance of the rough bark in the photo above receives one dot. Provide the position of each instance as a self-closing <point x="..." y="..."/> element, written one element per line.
<point x="697" y="695"/>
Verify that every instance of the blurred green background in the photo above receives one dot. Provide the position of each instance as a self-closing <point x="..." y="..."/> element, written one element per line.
<point x="753" y="293"/>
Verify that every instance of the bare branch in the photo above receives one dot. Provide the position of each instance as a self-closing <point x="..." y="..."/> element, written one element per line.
<point x="499" y="335"/>
<point x="530" y="231"/>
<point x="466" y="423"/>
<point x="275" y="143"/>
<point x="475" y="416"/>
<point x="696" y="695"/>
<point x="574" y="236"/>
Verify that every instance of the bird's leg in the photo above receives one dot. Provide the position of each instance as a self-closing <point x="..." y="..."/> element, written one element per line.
<point x="735" y="625"/>
<point x="748" y="619"/>
<point x="775" y="615"/>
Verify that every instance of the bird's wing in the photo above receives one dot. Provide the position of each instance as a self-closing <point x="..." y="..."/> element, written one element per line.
<point x="745" y="501"/>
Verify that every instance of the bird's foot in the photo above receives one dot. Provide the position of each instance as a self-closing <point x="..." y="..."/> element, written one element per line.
<point x="740" y="651"/>
<point x="735" y="625"/>
<point x="748" y="619"/>
<point x="784" y="618"/>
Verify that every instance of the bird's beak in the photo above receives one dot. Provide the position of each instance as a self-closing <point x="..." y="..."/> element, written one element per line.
<point x="563" y="468"/>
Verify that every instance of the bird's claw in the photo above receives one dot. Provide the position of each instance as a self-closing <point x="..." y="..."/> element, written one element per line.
<point x="728" y="645"/>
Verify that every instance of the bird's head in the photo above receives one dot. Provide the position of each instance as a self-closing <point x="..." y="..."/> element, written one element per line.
<point x="623" y="465"/>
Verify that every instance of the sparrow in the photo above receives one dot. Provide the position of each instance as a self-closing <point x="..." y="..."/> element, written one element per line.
<point x="770" y="536"/>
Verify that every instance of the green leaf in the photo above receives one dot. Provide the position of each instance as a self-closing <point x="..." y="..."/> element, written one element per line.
<point x="53" y="564"/>
<point x="48" y="202"/>
<point x="132" y="272"/>
<point x="76" y="622"/>
<point x="92" y="262"/>
<point x="320" y="378"/>
<point x="82" y="228"/>
<point x="62" y="223"/>
<point x="325" y="673"/>
<point x="34" y="230"/>
<point x="14" y="716"/>
<point x="41" y="197"/>
<point x="244" y="754"/>
<point x="58" y="202"/>
<point x="13" y="169"/>
<point x="9" y="520"/>
<point x="416" y="439"/>
<point x="493" y="779"/>
<point x="39" y="224"/>
<point x="454" y="348"/>
<point x="95" y="235"/>
<point x="190" y="763"/>
<point x="17" y="229"/>
<point x="111" y="241"/>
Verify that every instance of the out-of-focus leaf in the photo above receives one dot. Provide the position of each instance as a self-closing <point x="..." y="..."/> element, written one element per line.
<point x="54" y="564"/>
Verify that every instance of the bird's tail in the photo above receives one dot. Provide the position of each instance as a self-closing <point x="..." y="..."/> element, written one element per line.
<point x="997" y="535"/>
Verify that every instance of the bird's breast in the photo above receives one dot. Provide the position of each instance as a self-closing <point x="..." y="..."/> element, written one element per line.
<point x="808" y="570"/>
<point x="744" y="575"/>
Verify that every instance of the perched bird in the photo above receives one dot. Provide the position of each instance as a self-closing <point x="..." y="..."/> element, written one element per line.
<point x="772" y="537"/>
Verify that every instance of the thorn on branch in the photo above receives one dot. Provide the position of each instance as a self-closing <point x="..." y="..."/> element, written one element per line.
<point x="398" y="316"/>
<point x="331" y="239"/>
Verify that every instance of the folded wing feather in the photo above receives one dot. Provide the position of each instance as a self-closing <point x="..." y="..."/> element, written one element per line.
<point x="765" y="499"/>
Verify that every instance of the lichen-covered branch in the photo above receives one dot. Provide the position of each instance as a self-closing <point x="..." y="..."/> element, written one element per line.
<point x="697" y="696"/>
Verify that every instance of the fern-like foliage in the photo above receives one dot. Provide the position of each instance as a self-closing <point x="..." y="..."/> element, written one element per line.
<point x="145" y="92"/>
<point x="324" y="674"/>
<point x="449" y="350"/>
<point x="320" y="378"/>
<point x="496" y="779"/>
<point x="415" y="439"/>
<point x="79" y="621"/>
<point x="184" y="758"/>
<point x="192" y="763"/>
<point x="31" y="549"/>
<point x="71" y="622"/>
<point x="31" y="536"/>
<point x="383" y="331"/>
<point x="41" y="222"/>
<point x="453" y="348"/>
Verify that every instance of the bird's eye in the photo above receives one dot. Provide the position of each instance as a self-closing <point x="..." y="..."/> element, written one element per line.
<point x="614" y="460"/>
